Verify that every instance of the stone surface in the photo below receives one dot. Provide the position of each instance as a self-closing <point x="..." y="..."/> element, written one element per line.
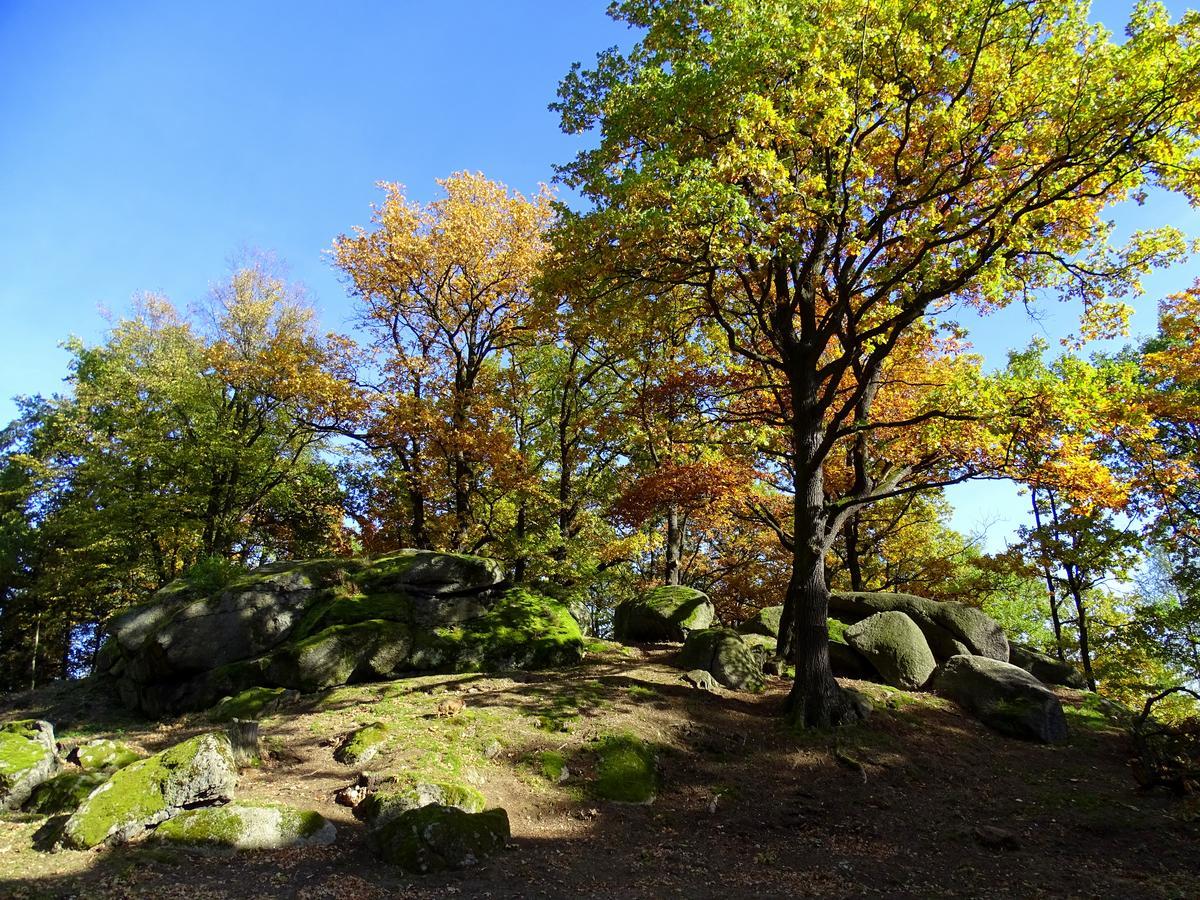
<point x="316" y="624"/>
<point x="197" y="771"/>
<point x="1003" y="696"/>
<point x="949" y="628"/>
<point x="895" y="647"/>
<point x="626" y="770"/>
<point x="664" y="614"/>
<point x="434" y="838"/>
<point x="363" y="744"/>
<point x="246" y="826"/>
<point x="103" y="755"/>
<point x="398" y="796"/>
<point x="1046" y="668"/>
<point x="726" y="655"/>
<point x="765" y="621"/>
<point x="701" y="679"/>
<point x="64" y="792"/>
<point x="27" y="758"/>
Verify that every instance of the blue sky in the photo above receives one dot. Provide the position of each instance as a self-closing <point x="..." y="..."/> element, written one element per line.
<point x="143" y="144"/>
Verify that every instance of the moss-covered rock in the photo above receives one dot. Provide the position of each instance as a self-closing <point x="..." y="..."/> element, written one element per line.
<point x="27" y="758"/>
<point x="252" y="703"/>
<point x="626" y="770"/>
<point x="103" y="755"/>
<point x="144" y="793"/>
<point x="668" y="613"/>
<point x="246" y="826"/>
<point x="64" y="792"/>
<point x="342" y="654"/>
<point x="523" y="630"/>
<point x="1002" y="696"/>
<point x="363" y="744"/>
<point x="895" y="647"/>
<point x="430" y="572"/>
<point x="1046" y="668"/>
<point x="434" y="838"/>
<point x="765" y="621"/>
<point x="722" y="651"/>
<point x="950" y="628"/>
<point x="402" y="795"/>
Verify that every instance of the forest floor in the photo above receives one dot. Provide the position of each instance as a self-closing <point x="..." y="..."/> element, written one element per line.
<point x="907" y="805"/>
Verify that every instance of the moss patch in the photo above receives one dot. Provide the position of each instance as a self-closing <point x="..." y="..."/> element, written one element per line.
<point x="626" y="770"/>
<point x="837" y="630"/>
<point x="552" y="765"/>
<point x="19" y="750"/>
<point x="524" y="630"/>
<point x="252" y="703"/>
<point x="245" y="826"/>
<point x="404" y="794"/>
<point x="363" y="744"/>
<point x="434" y="838"/>
<point x="64" y="792"/>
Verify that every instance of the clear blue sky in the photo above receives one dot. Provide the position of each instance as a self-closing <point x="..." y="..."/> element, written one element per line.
<point x="142" y="144"/>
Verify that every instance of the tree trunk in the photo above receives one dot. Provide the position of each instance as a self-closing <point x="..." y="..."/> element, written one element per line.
<point x="816" y="699"/>
<point x="853" y="563"/>
<point x="245" y="739"/>
<point x="674" y="545"/>
<point x="1055" y="620"/>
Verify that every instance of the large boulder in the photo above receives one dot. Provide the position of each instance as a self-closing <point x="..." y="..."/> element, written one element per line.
<point x="246" y="826"/>
<point x="317" y="624"/>
<point x="895" y="647"/>
<point x="1002" y="696"/>
<point x="434" y="838"/>
<point x="1046" y="668"/>
<point x="27" y="758"/>
<point x="667" y="613"/>
<point x="732" y="661"/>
<point x="196" y="772"/>
<point x="950" y="629"/>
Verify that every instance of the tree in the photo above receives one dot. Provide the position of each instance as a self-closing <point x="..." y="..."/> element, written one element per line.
<point x="445" y="289"/>
<point x="822" y="177"/>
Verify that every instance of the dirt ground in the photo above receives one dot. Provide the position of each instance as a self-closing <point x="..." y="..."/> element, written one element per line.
<point x="904" y="806"/>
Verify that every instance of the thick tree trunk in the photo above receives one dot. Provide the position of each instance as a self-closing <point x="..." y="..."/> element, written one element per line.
<point x="674" y="548"/>
<point x="816" y="699"/>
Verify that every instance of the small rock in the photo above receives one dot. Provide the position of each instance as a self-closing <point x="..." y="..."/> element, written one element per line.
<point x="995" y="838"/>
<point x="700" y="679"/>
<point x="451" y="706"/>
<point x="492" y="750"/>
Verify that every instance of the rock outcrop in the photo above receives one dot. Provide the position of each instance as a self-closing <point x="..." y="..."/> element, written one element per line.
<point x="950" y="629"/>
<point x="668" y="613"/>
<point x="1002" y="696"/>
<point x="317" y="624"/>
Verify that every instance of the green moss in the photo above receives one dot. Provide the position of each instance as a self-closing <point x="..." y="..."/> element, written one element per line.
<point x="684" y="606"/>
<point x="353" y="608"/>
<point x="249" y="704"/>
<point x="342" y="653"/>
<point x="552" y="764"/>
<point x="524" y="630"/>
<point x="19" y="751"/>
<point x="837" y="630"/>
<point x="363" y="744"/>
<point x="626" y="770"/>
<point x="641" y="692"/>
<point x="403" y="794"/>
<point x="434" y="838"/>
<point x="104" y="755"/>
<point x="243" y="825"/>
<point x="139" y="792"/>
<point x="64" y="792"/>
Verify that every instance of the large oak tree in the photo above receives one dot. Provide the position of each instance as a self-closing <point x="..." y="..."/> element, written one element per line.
<point x="822" y="177"/>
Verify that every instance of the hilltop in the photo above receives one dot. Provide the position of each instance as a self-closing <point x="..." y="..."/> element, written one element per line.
<point x="920" y="801"/>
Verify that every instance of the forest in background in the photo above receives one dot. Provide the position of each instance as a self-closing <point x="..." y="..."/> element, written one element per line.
<point x="736" y="369"/>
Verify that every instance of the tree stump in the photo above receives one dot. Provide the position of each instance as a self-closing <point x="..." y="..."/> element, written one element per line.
<point x="244" y="736"/>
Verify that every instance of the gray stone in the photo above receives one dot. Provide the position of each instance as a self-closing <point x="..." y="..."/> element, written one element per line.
<point x="198" y="771"/>
<point x="700" y="679"/>
<point x="246" y="826"/>
<point x="668" y="613"/>
<point x="895" y="647"/>
<point x="1002" y="696"/>
<point x="726" y="655"/>
<point x="399" y="795"/>
<point x="1046" y="668"/>
<point x="946" y="626"/>
<point x="765" y="621"/>
<point x="27" y="758"/>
